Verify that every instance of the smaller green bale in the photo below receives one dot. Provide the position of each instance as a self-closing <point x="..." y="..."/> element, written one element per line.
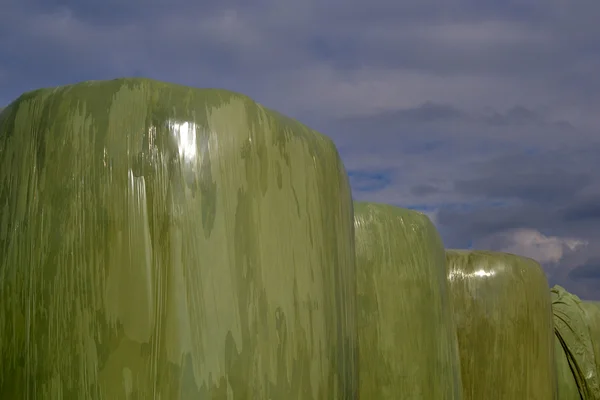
<point x="407" y="338"/>
<point x="503" y="316"/>
<point x="572" y="328"/>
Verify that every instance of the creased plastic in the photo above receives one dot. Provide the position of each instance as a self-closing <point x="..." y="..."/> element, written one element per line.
<point x="566" y="385"/>
<point x="407" y="338"/>
<point x="592" y="311"/>
<point x="504" y="320"/>
<point x="571" y="326"/>
<point x="164" y="242"/>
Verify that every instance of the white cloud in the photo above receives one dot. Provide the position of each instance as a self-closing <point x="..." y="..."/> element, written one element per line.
<point x="533" y="244"/>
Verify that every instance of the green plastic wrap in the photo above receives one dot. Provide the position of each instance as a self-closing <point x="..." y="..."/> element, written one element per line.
<point x="407" y="337"/>
<point x="571" y="327"/>
<point x="592" y="311"/>
<point x="165" y="242"/>
<point x="566" y="384"/>
<point x="504" y="320"/>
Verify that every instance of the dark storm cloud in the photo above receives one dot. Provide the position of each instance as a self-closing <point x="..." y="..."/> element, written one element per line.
<point x="400" y="120"/>
<point x="536" y="186"/>
<point x="590" y="270"/>
<point x="426" y="112"/>
<point x="544" y="191"/>
<point x="516" y="115"/>
<point x="488" y="220"/>
<point x="586" y="210"/>
<point x="424" y="190"/>
<point x="487" y="130"/>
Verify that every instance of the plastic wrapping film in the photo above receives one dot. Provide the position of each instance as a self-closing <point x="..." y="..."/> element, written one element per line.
<point x="504" y="320"/>
<point x="571" y="327"/>
<point x="566" y="385"/>
<point x="407" y="337"/>
<point x="592" y="311"/>
<point x="164" y="242"/>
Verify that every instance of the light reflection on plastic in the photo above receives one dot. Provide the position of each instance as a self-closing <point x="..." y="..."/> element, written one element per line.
<point x="481" y="273"/>
<point x="185" y="133"/>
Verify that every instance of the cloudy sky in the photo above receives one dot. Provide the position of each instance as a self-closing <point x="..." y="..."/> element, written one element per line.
<point x="484" y="114"/>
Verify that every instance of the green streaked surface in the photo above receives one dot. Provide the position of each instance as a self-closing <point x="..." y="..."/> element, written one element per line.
<point x="571" y="326"/>
<point x="407" y="337"/>
<point x="504" y="319"/>
<point x="164" y="242"/>
<point x="566" y="384"/>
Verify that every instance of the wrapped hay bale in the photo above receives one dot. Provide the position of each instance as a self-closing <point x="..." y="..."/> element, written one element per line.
<point x="158" y="241"/>
<point x="504" y="322"/>
<point x="572" y="326"/>
<point x="407" y="338"/>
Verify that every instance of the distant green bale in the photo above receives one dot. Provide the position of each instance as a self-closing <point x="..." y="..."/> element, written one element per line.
<point x="407" y="338"/>
<point x="574" y="322"/>
<point x="504" y="320"/>
<point x="158" y="241"/>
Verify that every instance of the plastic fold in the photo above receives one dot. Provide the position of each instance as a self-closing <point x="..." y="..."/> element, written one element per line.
<point x="566" y="384"/>
<point x="571" y="324"/>
<point x="592" y="312"/>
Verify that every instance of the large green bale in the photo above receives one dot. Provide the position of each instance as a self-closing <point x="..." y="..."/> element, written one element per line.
<point x="504" y="322"/>
<point x="592" y="312"/>
<point x="407" y="337"/>
<point x="566" y="384"/>
<point x="572" y="326"/>
<point x="165" y="242"/>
